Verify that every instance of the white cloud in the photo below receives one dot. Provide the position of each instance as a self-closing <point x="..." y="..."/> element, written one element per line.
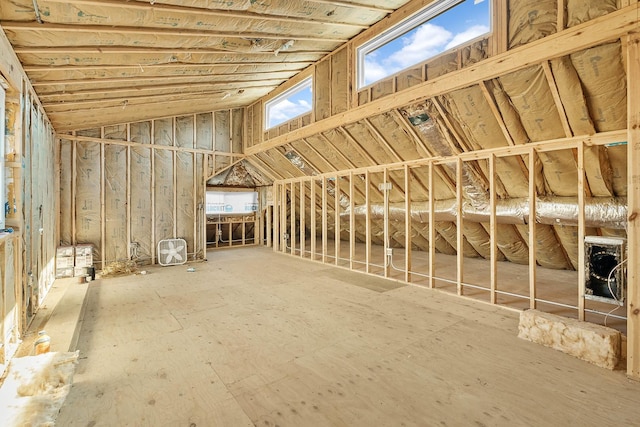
<point x="468" y="34"/>
<point x="427" y="41"/>
<point x="285" y="110"/>
<point x="477" y="1"/>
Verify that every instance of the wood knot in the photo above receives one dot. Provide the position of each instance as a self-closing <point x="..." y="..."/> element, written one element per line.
<point x="633" y="216"/>
<point x="636" y="311"/>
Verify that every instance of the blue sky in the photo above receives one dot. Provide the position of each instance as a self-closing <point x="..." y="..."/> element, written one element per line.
<point x="459" y="24"/>
<point x="288" y="108"/>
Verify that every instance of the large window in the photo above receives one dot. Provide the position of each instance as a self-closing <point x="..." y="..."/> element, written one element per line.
<point x="289" y="104"/>
<point x="3" y="190"/>
<point x="231" y="202"/>
<point x="439" y="27"/>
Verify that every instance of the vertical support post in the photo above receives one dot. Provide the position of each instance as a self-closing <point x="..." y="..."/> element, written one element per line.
<point x="336" y="226"/>
<point x="103" y="205"/>
<point x="532" y="229"/>
<point x="292" y="234"/>
<point x="352" y="220"/>
<point x="74" y="179"/>
<point x="633" y="199"/>
<point x="432" y="230"/>
<point x="128" y="192"/>
<point x="175" y="178"/>
<point x="152" y="159"/>
<point x="459" y="229"/>
<point x="581" y="230"/>
<point x="194" y="192"/>
<point x="205" y="175"/>
<point x="303" y="219"/>
<point x="314" y="233"/>
<point x="387" y="246"/>
<point x="492" y="228"/>
<point x="269" y="225"/>
<point x="367" y="195"/>
<point x="283" y="217"/>
<point x="276" y="217"/>
<point x="407" y="224"/>
<point x="324" y="220"/>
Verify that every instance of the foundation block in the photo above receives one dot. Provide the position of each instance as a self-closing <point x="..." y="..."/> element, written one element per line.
<point x="587" y="341"/>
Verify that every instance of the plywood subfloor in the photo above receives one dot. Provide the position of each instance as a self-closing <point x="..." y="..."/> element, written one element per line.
<point x="257" y="338"/>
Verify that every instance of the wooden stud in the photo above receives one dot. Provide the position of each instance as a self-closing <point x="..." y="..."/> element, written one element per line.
<point x="432" y="229"/>
<point x="553" y="86"/>
<point x="532" y="228"/>
<point x="336" y="217"/>
<point x="387" y="238"/>
<point x="152" y="192"/>
<point x="324" y="220"/>
<point x="314" y="233"/>
<point x="205" y="172"/>
<point x="196" y="202"/>
<point x="283" y="217"/>
<point x="633" y="200"/>
<point x="74" y="180"/>
<point x="352" y="220"/>
<point x="276" y="217"/>
<point x="128" y="193"/>
<point x="367" y="180"/>
<point x="292" y="234"/>
<point x="303" y="220"/>
<point x="493" y="248"/>
<point x="407" y="224"/>
<point x="459" y="228"/>
<point x="561" y="18"/>
<point x="103" y="207"/>
<point x="175" y="178"/>
<point x="581" y="232"/>
<point x="499" y="38"/>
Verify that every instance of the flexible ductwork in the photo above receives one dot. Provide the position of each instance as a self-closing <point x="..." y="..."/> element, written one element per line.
<point x="600" y="212"/>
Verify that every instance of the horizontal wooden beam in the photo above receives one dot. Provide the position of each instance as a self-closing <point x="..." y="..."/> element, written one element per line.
<point x="165" y="32"/>
<point x="599" y="139"/>
<point x="592" y="33"/>
<point x="273" y="75"/>
<point x="118" y="50"/>
<point x="285" y="66"/>
<point x="150" y="90"/>
<point x="189" y="10"/>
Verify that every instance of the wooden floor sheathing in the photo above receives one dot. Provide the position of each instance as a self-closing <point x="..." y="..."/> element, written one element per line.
<point x="257" y="338"/>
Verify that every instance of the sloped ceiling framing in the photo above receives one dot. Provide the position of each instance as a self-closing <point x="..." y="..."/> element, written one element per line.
<point x="94" y="63"/>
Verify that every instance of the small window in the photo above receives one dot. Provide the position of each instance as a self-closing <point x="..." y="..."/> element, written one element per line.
<point x="231" y="202"/>
<point x="439" y="27"/>
<point x="290" y="104"/>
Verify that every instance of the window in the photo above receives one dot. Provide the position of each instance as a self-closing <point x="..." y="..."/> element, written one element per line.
<point x="289" y="104"/>
<point x="231" y="202"/>
<point x="3" y="189"/>
<point x="439" y="27"/>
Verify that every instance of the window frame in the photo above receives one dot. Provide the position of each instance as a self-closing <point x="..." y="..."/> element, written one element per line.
<point x="305" y="83"/>
<point x="398" y="30"/>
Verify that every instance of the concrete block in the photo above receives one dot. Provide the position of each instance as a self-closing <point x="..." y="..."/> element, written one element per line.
<point x="587" y="341"/>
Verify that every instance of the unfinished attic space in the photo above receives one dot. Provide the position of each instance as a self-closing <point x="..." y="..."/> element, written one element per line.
<point x="321" y="212"/>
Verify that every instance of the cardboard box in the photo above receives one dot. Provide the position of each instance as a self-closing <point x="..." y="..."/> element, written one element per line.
<point x="84" y="256"/>
<point x="64" y="272"/>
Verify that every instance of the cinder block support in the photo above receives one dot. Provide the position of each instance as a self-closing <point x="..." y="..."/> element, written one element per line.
<point x="587" y="341"/>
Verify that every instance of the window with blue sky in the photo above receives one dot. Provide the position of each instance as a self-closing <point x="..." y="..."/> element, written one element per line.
<point x="290" y="104"/>
<point x="436" y="29"/>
